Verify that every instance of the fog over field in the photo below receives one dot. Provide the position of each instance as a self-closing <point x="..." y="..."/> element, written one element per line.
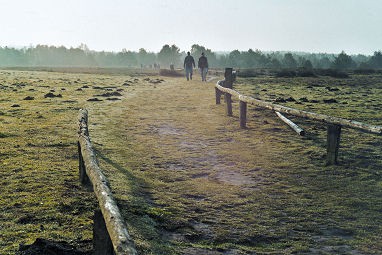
<point x="267" y="25"/>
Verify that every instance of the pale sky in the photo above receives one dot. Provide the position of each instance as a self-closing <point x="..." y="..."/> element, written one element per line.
<point x="330" y="26"/>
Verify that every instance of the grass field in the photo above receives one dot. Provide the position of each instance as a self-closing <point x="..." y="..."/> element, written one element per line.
<point x="187" y="178"/>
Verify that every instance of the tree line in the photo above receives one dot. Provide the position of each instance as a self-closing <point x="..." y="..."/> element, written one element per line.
<point x="81" y="56"/>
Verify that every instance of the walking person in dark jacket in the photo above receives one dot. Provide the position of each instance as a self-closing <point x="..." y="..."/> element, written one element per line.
<point x="203" y="66"/>
<point x="189" y="65"/>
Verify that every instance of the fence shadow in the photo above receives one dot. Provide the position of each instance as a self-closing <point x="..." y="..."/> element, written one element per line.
<point x="137" y="209"/>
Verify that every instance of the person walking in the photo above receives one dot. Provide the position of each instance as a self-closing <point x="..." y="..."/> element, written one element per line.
<point x="203" y="66"/>
<point x="189" y="65"/>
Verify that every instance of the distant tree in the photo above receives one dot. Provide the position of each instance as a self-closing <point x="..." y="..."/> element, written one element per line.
<point x="253" y="59"/>
<point x="105" y="59"/>
<point x="84" y="48"/>
<point x="126" y="58"/>
<point x="222" y="61"/>
<point x="307" y="65"/>
<point x="12" y="57"/>
<point x="169" y="55"/>
<point x="262" y="60"/>
<point x="274" y="63"/>
<point x="80" y="57"/>
<point x="359" y="58"/>
<point x="343" y="61"/>
<point x="289" y="61"/>
<point x="45" y="55"/>
<point x="235" y="58"/>
<point x="376" y="60"/>
<point x="365" y="65"/>
<point x="197" y="50"/>
<point x="324" y="62"/>
<point x="146" y="58"/>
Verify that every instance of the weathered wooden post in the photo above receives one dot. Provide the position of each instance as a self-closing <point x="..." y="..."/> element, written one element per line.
<point x="228" y="104"/>
<point x="228" y="83"/>
<point x="228" y="78"/>
<point x="217" y="95"/>
<point x="243" y="114"/>
<point x="333" y="143"/>
<point x="102" y="244"/>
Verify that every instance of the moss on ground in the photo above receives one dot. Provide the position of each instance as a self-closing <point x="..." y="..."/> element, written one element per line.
<point x="188" y="179"/>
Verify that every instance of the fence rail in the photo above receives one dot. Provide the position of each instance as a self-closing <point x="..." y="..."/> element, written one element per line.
<point x="110" y="235"/>
<point x="224" y="87"/>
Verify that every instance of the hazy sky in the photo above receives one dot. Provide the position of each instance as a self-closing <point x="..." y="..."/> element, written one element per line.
<point x="331" y="26"/>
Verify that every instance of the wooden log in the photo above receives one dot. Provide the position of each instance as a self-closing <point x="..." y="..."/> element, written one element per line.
<point x="228" y="104"/>
<point x="304" y="114"/>
<point x="115" y="224"/>
<point x="243" y="114"/>
<point x="217" y="95"/>
<point x="291" y="124"/>
<point x="102" y="244"/>
<point x="227" y="90"/>
<point x="333" y="144"/>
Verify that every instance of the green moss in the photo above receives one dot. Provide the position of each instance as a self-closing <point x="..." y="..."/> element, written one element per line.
<point x="186" y="177"/>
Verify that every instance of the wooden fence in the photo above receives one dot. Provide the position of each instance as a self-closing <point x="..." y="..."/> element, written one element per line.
<point x="334" y="124"/>
<point x="110" y="235"/>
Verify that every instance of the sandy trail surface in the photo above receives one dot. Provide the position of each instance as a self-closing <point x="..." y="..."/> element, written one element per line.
<point x="206" y="185"/>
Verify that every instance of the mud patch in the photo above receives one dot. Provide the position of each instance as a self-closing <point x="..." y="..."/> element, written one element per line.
<point x="339" y="249"/>
<point x="203" y="229"/>
<point x="327" y="236"/>
<point x="231" y="177"/>
<point x="192" y="145"/>
<point x="194" y="197"/>
<point x="330" y="233"/>
<point x="200" y="175"/>
<point x="167" y="129"/>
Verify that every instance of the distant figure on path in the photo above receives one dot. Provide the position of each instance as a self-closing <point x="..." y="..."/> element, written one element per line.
<point x="189" y="65"/>
<point x="203" y="66"/>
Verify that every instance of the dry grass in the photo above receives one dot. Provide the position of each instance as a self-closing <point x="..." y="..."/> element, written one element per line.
<point x="188" y="179"/>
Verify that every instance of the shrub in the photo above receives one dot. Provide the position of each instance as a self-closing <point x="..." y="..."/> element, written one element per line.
<point x="332" y="73"/>
<point x="286" y="73"/>
<point x="364" y="71"/>
<point x="247" y="73"/>
<point x="171" y="73"/>
<point x="306" y="73"/>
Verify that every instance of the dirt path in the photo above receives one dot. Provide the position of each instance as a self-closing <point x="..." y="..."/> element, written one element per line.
<point x="186" y="132"/>
<point x="190" y="181"/>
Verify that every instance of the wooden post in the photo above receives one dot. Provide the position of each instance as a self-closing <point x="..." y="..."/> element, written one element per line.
<point x="228" y="103"/>
<point x="102" y="244"/>
<point x="84" y="179"/>
<point x="333" y="143"/>
<point x="228" y="82"/>
<point x="217" y="95"/>
<point x="243" y="114"/>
